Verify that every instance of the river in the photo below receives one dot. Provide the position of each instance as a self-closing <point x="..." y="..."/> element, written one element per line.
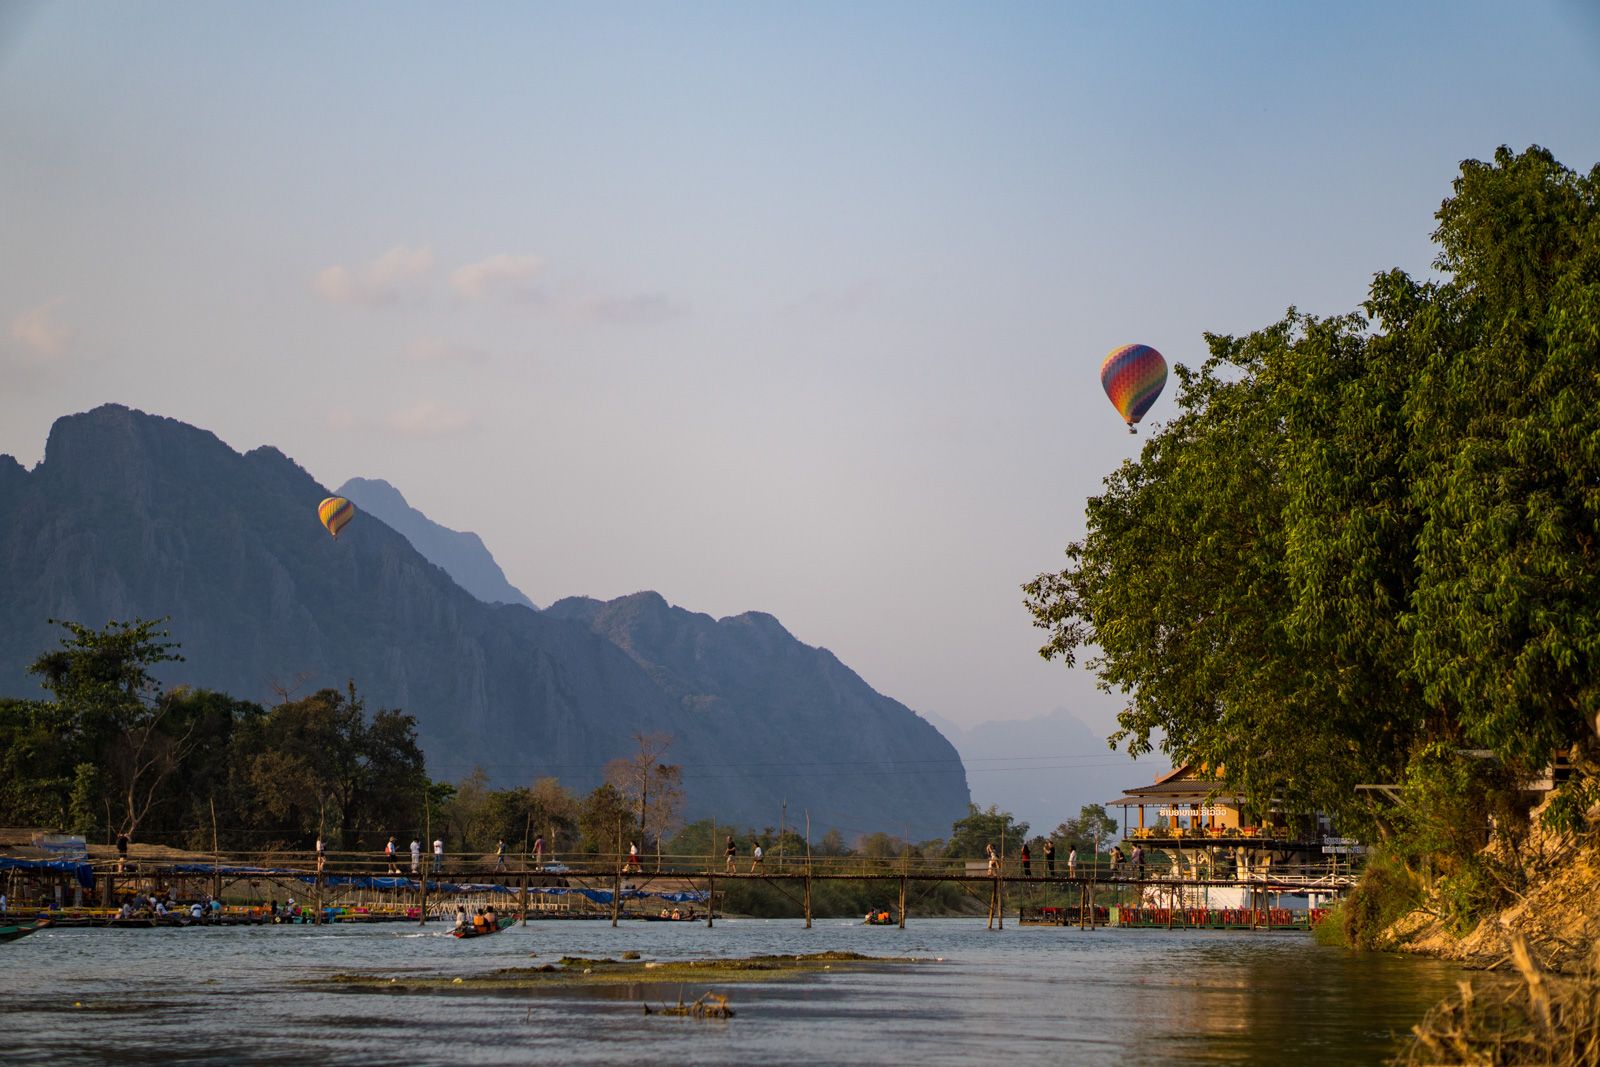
<point x="1028" y="995"/>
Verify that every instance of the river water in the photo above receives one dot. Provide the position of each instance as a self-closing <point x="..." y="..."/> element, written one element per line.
<point x="1028" y="995"/>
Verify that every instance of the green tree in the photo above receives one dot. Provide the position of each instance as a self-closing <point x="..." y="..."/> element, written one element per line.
<point x="981" y="827"/>
<point x="604" y="821"/>
<point x="113" y="717"/>
<point x="1092" y="828"/>
<point x="1369" y="535"/>
<point x="319" y="765"/>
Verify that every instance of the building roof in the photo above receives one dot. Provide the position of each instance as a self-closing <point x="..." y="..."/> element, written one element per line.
<point x="1179" y="786"/>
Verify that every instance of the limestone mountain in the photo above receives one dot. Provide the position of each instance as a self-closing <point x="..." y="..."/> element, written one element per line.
<point x="819" y="722"/>
<point x="132" y="515"/>
<point x="461" y="553"/>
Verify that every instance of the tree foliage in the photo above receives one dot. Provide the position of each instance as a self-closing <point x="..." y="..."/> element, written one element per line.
<point x="1367" y="535"/>
<point x="985" y="826"/>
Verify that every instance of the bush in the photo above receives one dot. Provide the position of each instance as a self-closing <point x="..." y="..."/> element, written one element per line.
<point x="1386" y="893"/>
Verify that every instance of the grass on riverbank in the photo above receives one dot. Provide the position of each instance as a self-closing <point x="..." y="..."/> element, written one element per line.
<point x="1537" y="1018"/>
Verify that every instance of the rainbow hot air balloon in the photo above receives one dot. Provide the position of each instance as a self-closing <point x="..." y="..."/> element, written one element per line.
<point x="335" y="512"/>
<point x="1133" y="376"/>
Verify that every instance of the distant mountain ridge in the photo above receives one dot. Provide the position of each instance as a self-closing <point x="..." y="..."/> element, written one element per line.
<point x="133" y="515"/>
<point x="1044" y="769"/>
<point x="461" y="553"/>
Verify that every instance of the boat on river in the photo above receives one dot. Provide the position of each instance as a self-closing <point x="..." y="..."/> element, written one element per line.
<point x="12" y="931"/>
<point x="501" y="923"/>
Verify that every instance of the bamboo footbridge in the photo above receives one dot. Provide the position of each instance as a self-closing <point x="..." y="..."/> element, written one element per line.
<point x="347" y="887"/>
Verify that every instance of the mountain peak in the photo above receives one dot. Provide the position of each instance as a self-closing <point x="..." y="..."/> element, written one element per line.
<point x="461" y="554"/>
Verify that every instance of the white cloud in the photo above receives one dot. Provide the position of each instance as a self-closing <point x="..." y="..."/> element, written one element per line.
<point x="432" y="350"/>
<point x="41" y="334"/>
<point x="503" y="277"/>
<point x="400" y="274"/>
<point x="426" y="419"/>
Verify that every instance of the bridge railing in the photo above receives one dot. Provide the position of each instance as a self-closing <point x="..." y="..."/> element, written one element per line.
<point x="487" y="866"/>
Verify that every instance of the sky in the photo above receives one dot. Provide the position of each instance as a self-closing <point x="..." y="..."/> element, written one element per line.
<point x="796" y="308"/>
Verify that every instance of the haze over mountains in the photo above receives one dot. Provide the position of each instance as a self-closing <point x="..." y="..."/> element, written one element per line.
<point x="132" y="515"/>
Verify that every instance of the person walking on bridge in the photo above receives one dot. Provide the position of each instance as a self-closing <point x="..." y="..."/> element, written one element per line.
<point x="1049" y="857"/>
<point x="1072" y="862"/>
<point x="1027" y="859"/>
<point x="732" y="853"/>
<point x="416" y="856"/>
<point x="438" y="854"/>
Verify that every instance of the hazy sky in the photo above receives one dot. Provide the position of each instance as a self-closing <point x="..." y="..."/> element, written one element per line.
<point x="797" y="308"/>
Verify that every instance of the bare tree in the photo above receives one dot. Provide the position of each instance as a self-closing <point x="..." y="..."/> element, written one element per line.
<point x="653" y="788"/>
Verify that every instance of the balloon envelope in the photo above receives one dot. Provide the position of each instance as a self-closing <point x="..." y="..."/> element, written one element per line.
<point x="335" y="512"/>
<point x="1132" y="377"/>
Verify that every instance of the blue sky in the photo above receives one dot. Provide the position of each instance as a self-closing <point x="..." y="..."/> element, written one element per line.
<point x="795" y="308"/>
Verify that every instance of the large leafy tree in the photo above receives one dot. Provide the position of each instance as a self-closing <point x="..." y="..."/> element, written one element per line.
<point x="322" y="765"/>
<point x="112" y="717"/>
<point x="1366" y="535"/>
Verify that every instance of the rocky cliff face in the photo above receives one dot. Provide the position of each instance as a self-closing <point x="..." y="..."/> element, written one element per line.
<point x="461" y="553"/>
<point x="131" y="515"/>
<point x="803" y="718"/>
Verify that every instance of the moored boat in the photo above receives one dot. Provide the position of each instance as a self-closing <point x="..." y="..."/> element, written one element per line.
<point x="12" y="931"/>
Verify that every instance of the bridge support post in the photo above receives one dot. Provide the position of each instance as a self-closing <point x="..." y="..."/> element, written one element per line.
<point x="711" y="899"/>
<point x="524" y="891"/>
<point x="808" y="900"/>
<point x="902" y="902"/>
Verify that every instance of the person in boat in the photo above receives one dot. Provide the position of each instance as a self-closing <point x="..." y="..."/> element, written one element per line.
<point x="491" y="919"/>
<point x="479" y="923"/>
<point x="461" y="916"/>
<point x="676" y="914"/>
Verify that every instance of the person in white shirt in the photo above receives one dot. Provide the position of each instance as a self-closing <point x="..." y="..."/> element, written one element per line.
<point x="416" y="855"/>
<point x="438" y="854"/>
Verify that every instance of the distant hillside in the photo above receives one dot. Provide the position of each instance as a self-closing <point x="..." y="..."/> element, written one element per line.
<point x="461" y="554"/>
<point x="818" y="721"/>
<point x="132" y="515"/>
<point x="1045" y="769"/>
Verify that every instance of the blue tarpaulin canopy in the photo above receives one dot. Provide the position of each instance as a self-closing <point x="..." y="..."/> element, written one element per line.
<point x="82" y="871"/>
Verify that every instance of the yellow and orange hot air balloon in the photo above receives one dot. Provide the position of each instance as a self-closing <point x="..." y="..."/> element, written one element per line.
<point x="335" y="513"/>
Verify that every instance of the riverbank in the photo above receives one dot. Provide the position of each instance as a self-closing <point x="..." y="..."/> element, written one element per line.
<point x="1539" y="1000"/>
<point x="1556" y="911"/>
